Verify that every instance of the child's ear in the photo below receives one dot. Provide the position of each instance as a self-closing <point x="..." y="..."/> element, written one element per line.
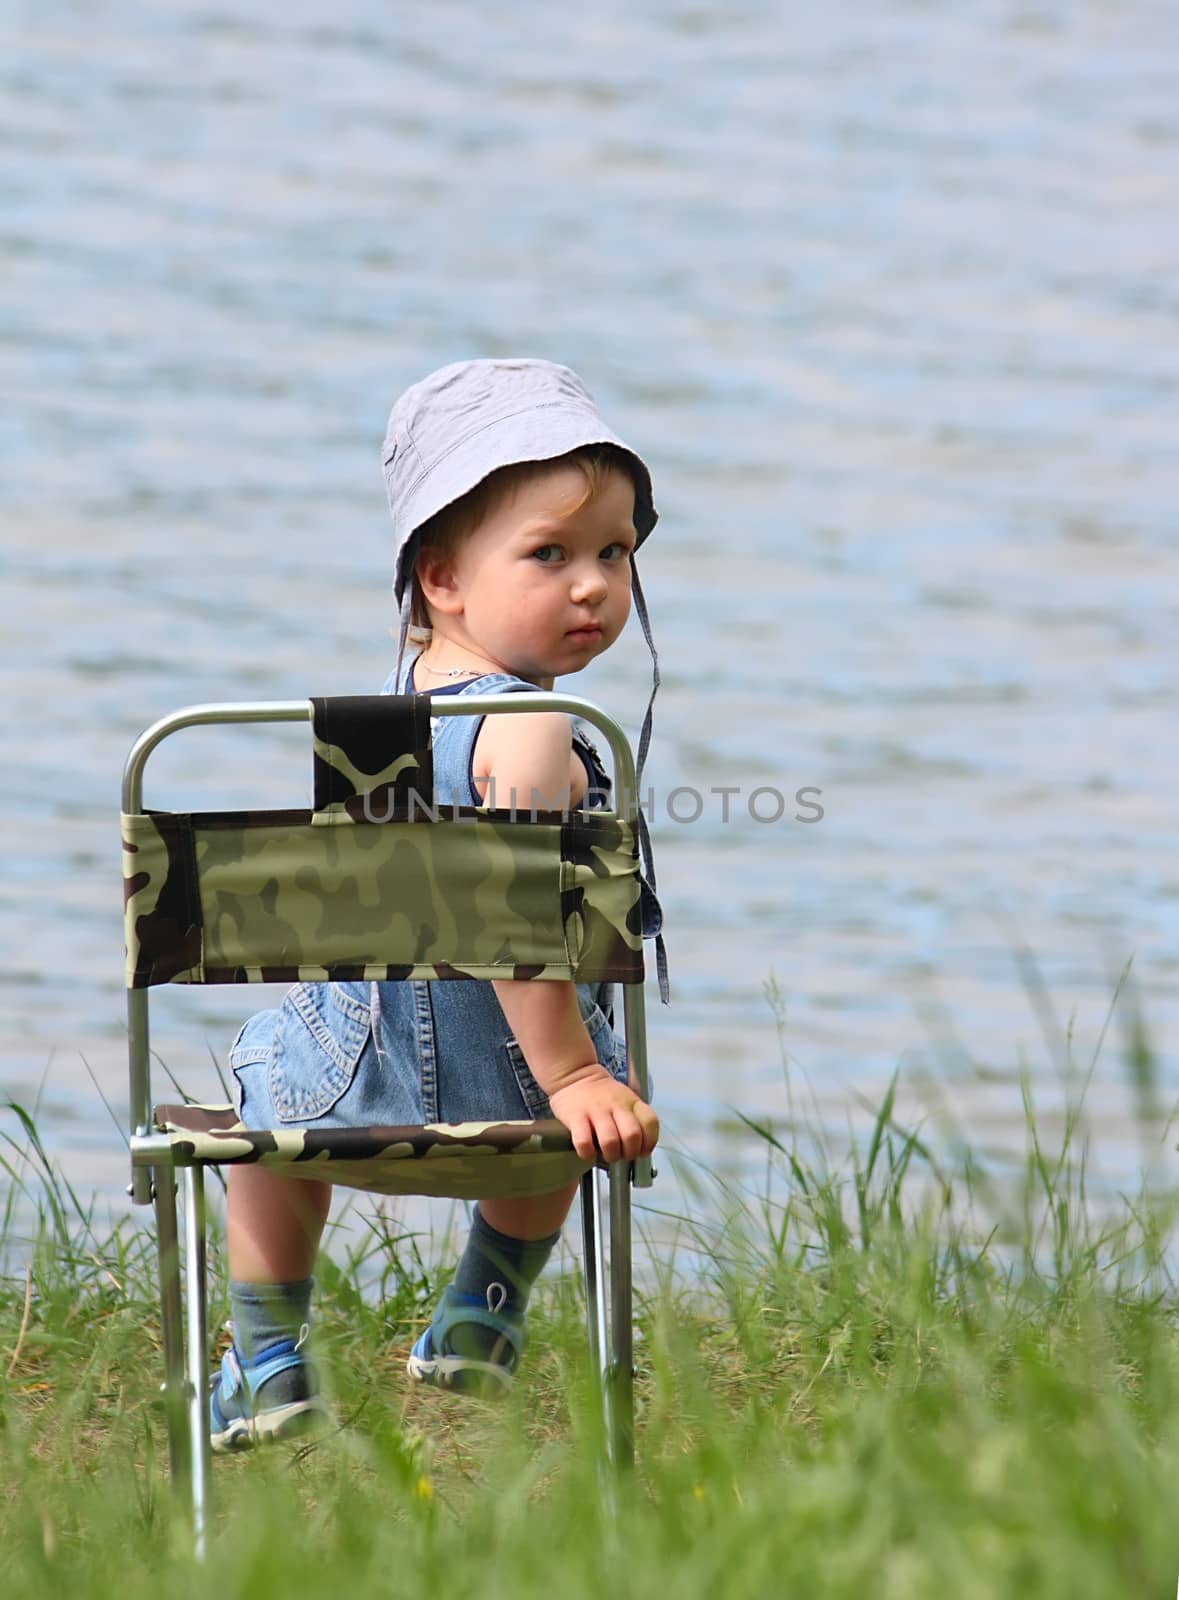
<point x="438" y="584"/>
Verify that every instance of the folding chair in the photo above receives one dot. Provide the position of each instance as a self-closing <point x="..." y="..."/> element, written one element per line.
<point x="224" y="897"/>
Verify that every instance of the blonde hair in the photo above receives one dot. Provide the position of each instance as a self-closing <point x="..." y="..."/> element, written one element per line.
<point x="445" y="531"/>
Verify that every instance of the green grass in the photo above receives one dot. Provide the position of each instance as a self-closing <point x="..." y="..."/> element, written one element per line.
<point x="889" y="1380"/>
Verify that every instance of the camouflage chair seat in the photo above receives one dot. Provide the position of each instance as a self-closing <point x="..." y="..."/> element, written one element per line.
<point x="375" y="882"/>
<point x="456" y="1160"/>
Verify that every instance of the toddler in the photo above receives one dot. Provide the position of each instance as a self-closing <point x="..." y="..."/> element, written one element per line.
<point x="517" y="513"/>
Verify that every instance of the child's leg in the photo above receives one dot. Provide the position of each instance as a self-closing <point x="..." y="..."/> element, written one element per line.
<point x="507" y="1248"/>
<point x="273" y="1228"/>
<point x="273" y="1225"/>
<point x="537" y="1216"/>
<point x="508" y="1245"/>
<point x="474" y="1340"/>
<point x="266" y="1388"/>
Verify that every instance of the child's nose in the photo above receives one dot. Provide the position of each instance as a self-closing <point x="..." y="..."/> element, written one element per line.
<point x="589" y="583"/>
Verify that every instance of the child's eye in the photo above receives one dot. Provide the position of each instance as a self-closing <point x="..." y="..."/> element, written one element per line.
<point x="548" y="553"/>
<point x="616" y="551"/>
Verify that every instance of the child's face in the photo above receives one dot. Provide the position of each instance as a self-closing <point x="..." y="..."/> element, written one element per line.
<point x="542" y="585"/>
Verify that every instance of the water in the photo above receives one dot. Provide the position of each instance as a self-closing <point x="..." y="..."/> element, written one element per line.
<point x="888" y="301"/>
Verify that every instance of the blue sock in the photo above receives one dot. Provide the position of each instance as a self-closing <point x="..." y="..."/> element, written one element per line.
<point x="491" y="1258"/>
<point x="267" y="1314"/>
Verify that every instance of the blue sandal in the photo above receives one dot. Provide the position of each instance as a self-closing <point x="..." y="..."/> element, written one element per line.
<point x="240" y="1416"/>
<point x="434" y="1360"/>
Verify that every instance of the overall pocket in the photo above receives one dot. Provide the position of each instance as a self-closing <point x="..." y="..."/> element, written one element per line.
<point x="319" y="1041"/>
<point x="249" y="1051"/>
<point x="606" y="1048"/>
<point x="254" y="1041"/>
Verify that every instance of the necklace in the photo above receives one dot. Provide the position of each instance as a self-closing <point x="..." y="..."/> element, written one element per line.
<point x="448" y="672"/>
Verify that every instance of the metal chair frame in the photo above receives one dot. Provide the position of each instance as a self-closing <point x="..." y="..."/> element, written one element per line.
<point x="154" y="1160"/>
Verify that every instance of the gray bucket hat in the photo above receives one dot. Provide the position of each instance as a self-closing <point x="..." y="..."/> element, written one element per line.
<point x="459" y="425"/>
<point x="465" y="421"/>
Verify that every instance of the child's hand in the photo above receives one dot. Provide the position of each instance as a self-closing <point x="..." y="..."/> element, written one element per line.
<point x="605" y="1117"/>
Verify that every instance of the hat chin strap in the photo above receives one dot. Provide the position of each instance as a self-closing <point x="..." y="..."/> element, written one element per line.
<point x="644" y="746"/>
<point x="403" y="617"/>
<point x="645" y="624"/>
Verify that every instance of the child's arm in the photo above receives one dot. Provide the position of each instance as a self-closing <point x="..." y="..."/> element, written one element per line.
<point x="532" y="755"/>
<point x="601" y="1113"/>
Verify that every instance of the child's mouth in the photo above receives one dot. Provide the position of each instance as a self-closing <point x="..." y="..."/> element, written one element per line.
<point x="585" y="635"/>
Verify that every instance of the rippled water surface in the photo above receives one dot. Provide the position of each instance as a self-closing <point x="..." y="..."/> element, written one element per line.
<point x="888" y="298"/>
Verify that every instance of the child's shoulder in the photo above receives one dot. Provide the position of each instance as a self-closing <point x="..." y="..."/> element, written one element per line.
<point x="546" y="750"/>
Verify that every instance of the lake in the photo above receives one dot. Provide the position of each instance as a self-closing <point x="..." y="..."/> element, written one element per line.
<point x="889" y="302"/>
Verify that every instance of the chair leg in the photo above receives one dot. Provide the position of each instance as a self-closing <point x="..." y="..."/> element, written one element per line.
<point x="594" y="1268"/>
<point x="621" y="1389"/>
<point x="198" y="1352"/>
<point x="609" y="1310"/>
<point x="597" y="1312"/>
<point x="171" y="1324"/>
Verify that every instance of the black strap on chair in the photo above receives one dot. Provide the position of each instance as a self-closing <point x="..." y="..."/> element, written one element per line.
<point x="371" y="754"/>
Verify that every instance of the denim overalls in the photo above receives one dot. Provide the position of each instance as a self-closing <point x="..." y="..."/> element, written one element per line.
<point x="348" y="1055"/>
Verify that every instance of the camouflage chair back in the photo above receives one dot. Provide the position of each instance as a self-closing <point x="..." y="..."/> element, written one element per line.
<point x="278" y="896"/>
